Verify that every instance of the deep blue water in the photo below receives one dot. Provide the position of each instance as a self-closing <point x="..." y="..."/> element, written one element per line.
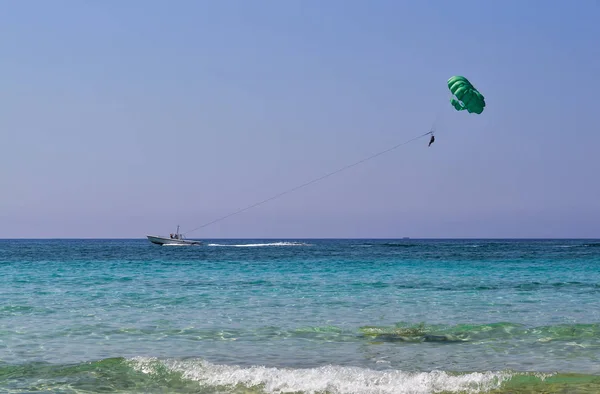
<point x="339" y="316"/>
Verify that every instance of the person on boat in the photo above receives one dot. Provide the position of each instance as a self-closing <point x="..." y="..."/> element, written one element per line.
<point x="171" y="235"/>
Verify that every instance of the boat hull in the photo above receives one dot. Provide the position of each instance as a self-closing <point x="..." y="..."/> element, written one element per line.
<point x="170" y="241"/>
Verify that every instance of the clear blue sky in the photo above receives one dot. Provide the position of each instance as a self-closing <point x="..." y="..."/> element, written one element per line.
<point x="123" y="118"/>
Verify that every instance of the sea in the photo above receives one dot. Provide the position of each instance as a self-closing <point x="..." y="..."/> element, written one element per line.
<point x="300" y="316"/>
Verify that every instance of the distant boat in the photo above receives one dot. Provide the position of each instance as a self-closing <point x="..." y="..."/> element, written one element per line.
<point x="173" y="239"/>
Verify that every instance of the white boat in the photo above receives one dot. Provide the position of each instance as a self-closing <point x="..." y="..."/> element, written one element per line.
<point x="172" y="239"/>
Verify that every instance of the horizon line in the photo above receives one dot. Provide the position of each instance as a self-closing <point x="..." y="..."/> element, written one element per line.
<point x="312" y="238"/>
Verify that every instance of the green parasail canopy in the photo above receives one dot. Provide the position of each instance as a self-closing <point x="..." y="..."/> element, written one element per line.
<point x="466" y="97"/>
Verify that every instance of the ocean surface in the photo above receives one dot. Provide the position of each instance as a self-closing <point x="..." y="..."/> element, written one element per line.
<point x="300" y="316"/>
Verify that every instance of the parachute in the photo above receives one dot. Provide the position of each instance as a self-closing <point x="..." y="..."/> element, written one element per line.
<point x="466" y="97"/>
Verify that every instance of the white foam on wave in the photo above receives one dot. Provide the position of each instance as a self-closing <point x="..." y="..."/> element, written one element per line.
<point x="261" y="244"/>
<point x="331" y="379"/>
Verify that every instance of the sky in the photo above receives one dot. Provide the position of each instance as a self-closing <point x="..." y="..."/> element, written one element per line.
<point x="121" y="119"/>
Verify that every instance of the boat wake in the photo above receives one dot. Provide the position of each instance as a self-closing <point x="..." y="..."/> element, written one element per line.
<point x="261" y="244"/>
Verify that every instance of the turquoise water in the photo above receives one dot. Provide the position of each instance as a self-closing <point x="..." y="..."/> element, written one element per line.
<point x="267" y="316"/>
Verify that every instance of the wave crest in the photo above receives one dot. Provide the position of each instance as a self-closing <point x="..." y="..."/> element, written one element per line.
<point x="325" y="379"/>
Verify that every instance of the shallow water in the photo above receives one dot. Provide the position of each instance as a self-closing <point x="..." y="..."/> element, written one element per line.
<point x="339" y="316"/>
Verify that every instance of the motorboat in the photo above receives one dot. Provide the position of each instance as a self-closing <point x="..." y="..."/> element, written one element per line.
<point x="172" y="239"/>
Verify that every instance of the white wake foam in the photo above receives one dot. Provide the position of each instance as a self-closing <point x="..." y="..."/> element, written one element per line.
<point x="331" y="379"/>
<point x="262" y="244"/>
